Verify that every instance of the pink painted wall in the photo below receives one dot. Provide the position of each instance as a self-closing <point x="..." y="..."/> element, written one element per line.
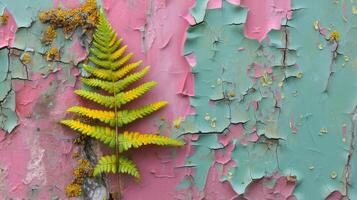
<point x="36" y="158"/>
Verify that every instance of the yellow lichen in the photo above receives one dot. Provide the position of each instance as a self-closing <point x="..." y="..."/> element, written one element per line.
<point x="4" y="18"/>
<point x="73" y="190"/>
<point x="52" y="54"/>
<point x="69" y="20"/>
<point x="78" y="172"/>
<point x="80" y="140"/>
<point x="83" y="170"/>
<point x="84" y="163"/>
<point x="49" y="35"/>
<point x="266" y="80"/>
<point x="231" y="94"/>
<point x="335" y="36"/>
<point x="79" y="180"/>
<point x="25" y="58"/>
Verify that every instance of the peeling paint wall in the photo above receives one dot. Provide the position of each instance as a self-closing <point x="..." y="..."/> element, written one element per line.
<point x="261" y="91"/>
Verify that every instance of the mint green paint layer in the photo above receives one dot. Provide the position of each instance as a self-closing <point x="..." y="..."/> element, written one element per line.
<point x="8" y="119"/>
<point x="26" y="11"/>
<point x="302" y="112"/>
<point x="28" y="39"/>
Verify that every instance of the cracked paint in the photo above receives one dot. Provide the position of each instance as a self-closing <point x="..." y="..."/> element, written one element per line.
<point x="270" y="103"/>
<point x="261" y="91"/>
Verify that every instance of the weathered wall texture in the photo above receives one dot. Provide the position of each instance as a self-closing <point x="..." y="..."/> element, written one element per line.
<point x="262" y="92"/>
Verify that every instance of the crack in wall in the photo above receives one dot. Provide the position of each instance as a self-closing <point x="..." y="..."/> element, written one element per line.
<point x="285" y="30"/>
<point x="348" y="166"/>
<point x="334" y="54"/>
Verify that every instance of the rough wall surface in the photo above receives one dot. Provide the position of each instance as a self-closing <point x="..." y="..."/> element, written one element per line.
<point x="261" y="91"/>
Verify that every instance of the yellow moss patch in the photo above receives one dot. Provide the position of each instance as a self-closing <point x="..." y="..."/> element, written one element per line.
<point x="4" y="18"/>
<point x="83" y="163"/>
<point x="73" y="190"/>
<point x="49" y="35"/>
<point x="52" y="54"/>
<point x="335" y="36"/>
<point x="69" y="20"/>
<point x="25" y="58"/>
<point x="78" y="172"/>
<point x="83" y="170"/>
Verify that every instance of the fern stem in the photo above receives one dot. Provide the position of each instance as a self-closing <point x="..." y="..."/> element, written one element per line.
<point x="116" y="142"/>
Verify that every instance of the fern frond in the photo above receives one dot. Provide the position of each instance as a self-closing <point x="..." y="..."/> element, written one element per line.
<point x="107" y="101"/>
<point x="105" y="40"/>
<point x="128" y="116"/>
<point x="111" y="71"/>
<point x="120" y="99"/>
<point x="103" y="49"/>
<point x="123" y="60"/>
<point x="109" y="164"/>
<point x="116" y="54"/>
<point x="111" y="63"/>
<point x="134" y="140"/>
<point x="110" y="75"/>
<point x="101" y="115"/>
<point x="123" y="117"/>
<point x="118" y="86"/>
<point x="127" y="68"/>
<point x="103" y="134"/>
<point x="126" y="140"/>
<point x="102" y="63"/>
<point x="126" y="97"/>
<point x="107" y="53"/>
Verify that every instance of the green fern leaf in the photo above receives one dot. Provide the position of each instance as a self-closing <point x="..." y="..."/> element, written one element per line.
<point x="118" y="100"/>
<point x="102" y="49"/>
<point x="135" y="140"/>
<point x="109" y="74"/>
<point x="116" y="86"/>
<point x="108" y="164"/>
<point x="103" y="134"/>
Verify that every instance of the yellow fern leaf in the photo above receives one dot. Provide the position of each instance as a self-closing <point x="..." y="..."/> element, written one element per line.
<point x="126" y="97"/>
<point x="103" y="134"/>
<point x="134" y="140"/>
<point x="116" y="54"/>
<point x="101" y="115"/>
<point x="109" y="164"/>
<point x="123" y="117"/>
<point x="123" y="60"/>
